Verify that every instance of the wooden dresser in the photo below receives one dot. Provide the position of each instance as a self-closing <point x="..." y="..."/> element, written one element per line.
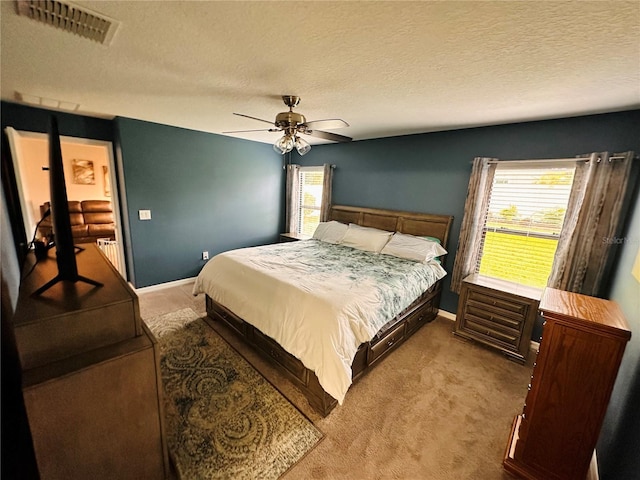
<point x="90" y="375"/>
<point x="580" y="352"/>
<point x="497" y="313"/>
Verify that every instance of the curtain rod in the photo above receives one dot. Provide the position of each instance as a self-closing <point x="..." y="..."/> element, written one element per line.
<point x="284" y="167"/>
<point x="573" y="159"/>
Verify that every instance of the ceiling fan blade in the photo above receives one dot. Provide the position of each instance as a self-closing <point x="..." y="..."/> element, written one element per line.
<point x="254" y="118"/>
<point x="329" y="123"/>
<point x="334" y="137"/>
<point x="254" y="130"/>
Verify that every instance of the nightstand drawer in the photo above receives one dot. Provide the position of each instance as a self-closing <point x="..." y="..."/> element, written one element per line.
<point x="494" y="316"/>
<point x="508" y="305"/>
<point x="483" y="327"/>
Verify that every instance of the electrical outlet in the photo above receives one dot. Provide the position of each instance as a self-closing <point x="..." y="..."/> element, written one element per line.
<point x="205" y="255"/>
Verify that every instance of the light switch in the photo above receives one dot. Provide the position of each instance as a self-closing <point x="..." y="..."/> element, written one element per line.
<point x="144" y="214"/>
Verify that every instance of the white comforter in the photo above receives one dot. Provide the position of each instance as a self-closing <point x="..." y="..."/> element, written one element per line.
<point x="317" y="300"/>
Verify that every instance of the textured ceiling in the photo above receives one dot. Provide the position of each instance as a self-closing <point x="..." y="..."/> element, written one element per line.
<point x="387" y="68"/>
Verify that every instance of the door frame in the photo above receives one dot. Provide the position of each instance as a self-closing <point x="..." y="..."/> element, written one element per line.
<point x="29" y="222"/>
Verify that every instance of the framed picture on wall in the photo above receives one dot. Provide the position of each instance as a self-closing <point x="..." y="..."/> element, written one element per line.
<point x="106" y="182"/>
<point x="83" y="173"/>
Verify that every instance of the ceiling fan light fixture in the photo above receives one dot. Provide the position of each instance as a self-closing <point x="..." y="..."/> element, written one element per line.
<point x="302" y="146"/>
<point x="293" y="123"/>
<point x="284" y="144"/>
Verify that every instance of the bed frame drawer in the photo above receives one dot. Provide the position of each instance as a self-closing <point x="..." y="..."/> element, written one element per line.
<point x="274" y="351"/>
<point x="386" y="344"/>
<point x="419" y="318"/>
<point x="226" y="315"/>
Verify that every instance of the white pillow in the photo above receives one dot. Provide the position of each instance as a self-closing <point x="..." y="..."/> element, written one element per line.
<point x="413" y="248"/>
<point x="330" y="232"/>
<point x="366" y="238"/>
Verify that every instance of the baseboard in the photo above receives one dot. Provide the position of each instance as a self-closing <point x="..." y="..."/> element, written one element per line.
<point x="447" y="315"/>
<point x="534" y="346"/>
<point x="162" y="286"/>
<point x="592" y="474"/>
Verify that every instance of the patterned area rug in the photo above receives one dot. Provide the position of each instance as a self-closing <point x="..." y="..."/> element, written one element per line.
<point x="224" y="420"/>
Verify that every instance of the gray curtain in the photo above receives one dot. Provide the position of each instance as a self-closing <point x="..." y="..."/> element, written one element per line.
<point x="475" y="207"/>
<point x="593" y="223"/>
<point x="327" y="183"/>
<point x="292" y="198"/>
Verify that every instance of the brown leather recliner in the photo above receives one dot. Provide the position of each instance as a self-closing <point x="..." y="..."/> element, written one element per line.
<point x="90" y="220"/>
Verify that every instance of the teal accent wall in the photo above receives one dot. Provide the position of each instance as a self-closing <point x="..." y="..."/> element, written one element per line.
<point x="206" y="192"/>
<point x="619" y="441"/>
<point x="430" y="172"/>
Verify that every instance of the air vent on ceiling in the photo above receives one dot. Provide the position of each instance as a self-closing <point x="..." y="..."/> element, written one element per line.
<point x="71" y="18"/>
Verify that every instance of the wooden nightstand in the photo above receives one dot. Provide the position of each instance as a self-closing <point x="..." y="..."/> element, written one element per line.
<point x="293" y="237"/>
<point x="497" y="313"/>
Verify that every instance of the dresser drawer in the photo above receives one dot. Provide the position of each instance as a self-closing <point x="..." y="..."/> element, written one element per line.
<point x="385" y="344"/>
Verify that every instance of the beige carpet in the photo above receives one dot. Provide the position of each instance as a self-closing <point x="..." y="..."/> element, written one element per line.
<point x="224" y="420"/>
<point x="438" y="408"/>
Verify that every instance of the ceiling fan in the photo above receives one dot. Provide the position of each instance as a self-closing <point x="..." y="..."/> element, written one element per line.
<point x="292" y="124"/>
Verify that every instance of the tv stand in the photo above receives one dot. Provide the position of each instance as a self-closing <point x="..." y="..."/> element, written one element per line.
<point x="90" y="375"/>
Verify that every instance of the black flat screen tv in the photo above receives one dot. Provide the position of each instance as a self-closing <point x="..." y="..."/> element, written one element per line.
<point x="62" y="234"/>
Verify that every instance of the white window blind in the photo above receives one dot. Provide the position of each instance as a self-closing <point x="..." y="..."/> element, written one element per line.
<point x="310" y="199"/>
<point x="523" y="221"/>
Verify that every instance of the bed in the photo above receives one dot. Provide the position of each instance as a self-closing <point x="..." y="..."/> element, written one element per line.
<point x="282" y="299"/>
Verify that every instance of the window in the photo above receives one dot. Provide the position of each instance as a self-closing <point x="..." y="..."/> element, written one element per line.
<point x="499" y="210"/>
<point x="310" y="200"/>
<point x="523" y="221"/>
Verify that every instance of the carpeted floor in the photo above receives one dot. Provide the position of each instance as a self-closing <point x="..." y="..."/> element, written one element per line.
<point x="223" y="419"/>
<point x="438" y="408"/>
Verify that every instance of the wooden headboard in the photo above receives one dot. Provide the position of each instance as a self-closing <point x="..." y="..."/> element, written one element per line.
<point x="411" y="223"/>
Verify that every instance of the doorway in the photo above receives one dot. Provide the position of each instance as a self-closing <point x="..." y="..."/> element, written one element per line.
<point x="89" y="168"/>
